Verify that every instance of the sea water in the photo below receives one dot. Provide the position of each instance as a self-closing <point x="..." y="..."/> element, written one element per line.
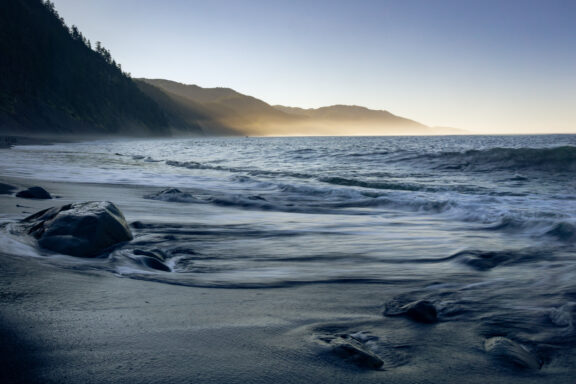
<point x="274" y="211"/>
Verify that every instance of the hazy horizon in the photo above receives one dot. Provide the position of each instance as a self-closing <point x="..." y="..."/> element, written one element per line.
<point x="489" y="67"/>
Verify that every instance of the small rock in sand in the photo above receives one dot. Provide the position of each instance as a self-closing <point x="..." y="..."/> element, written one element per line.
<point x="137" y="224"/>
<point x="352" y="350"/>
<point x="154" y="259"/>
<point x="422" y="311"/>
<point x="34" y="193"/>
<point x="171" y="195"/>
<point x="512" y="353"/>
<point x="79" y="229"/>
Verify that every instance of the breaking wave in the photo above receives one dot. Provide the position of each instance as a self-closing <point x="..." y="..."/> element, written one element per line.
<point x="557" y="159"/>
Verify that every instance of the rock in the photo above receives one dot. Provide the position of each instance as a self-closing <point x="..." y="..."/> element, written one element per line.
<point x="137" y="225"/>
<point x="34" y="193"/>
<point x="485" y="260"/>
<point x="154" y="259"/>
<point x="154" y="253"/>
<point x="79" y="229"/>
<point x="153" y="263"/>
<point x="422" y="311"/>
<point x="512" y="353"/>
<point x="172" y="195"/>
<point x="354" y="351"/>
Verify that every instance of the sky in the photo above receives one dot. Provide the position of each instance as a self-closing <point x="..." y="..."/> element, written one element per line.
<point x="489" y="66"/>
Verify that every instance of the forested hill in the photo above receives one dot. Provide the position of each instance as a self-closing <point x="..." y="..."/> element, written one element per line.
<point x="52" y="80"/>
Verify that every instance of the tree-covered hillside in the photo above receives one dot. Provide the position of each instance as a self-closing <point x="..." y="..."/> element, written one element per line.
<point x="53" y="80"/>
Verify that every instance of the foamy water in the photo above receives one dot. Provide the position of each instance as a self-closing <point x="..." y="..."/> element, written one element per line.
<point x="279" y="211"/>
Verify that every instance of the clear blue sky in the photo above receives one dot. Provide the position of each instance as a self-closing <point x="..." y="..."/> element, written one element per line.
<point x="485" y="65"/>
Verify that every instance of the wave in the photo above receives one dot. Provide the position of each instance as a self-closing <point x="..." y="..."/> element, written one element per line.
<point x="375" y="184"/>
<point x="557" y="159"/>
<point x="249" y="171"/>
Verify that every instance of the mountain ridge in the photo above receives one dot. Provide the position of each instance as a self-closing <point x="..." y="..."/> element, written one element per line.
<point x="246" y="115"/>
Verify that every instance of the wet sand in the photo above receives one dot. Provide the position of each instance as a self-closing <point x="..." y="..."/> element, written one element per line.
<point x="61" y="325"/>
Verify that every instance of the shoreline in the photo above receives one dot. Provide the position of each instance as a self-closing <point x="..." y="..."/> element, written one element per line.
<point x="62" y="324"/>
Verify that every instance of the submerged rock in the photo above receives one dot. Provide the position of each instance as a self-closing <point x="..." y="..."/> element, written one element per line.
<point x="486" y="260"/>
<point x="511" y="353"/>
<point x="34" y="193"/>
<point x="79" y="229"/>
<point x="137" y="224"/>
<point x="152" y="259"/>
<point x="354" y="351"/>
<point x="422" y="311"/>
<point x="172" y="195"/>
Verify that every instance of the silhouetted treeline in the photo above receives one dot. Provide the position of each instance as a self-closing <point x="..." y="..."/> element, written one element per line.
<point x="51" y="80"/>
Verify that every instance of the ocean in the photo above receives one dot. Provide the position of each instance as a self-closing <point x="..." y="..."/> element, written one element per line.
<point x="280" y="211"/>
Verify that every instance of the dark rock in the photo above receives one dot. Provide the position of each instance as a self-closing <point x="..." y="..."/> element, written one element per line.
<point x="421" y="311"/>
<point x="154" y="253"/>
<point x="355" y="352"/>
<point x="172" y="195"/>
<point x="486" y="260"/>
<point x="34" y="193"/>
<point x="511" y="353"/>
<point x="153" y="263"/>
<point x="154" y="259"/>
<point x="79" y="229"/>
<point x="137" y="225"/>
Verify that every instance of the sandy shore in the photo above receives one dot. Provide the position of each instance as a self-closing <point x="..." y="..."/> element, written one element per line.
<point x="82" y="326"/>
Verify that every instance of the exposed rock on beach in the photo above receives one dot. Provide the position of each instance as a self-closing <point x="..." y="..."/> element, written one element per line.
<point x="34" y="193"/>
<point x="421" y="311"/>
<point x="78" y="229"/>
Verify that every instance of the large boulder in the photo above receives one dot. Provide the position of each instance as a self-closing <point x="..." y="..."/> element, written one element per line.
<point x="79" y="229"/>
<point x="34" y="193"/>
